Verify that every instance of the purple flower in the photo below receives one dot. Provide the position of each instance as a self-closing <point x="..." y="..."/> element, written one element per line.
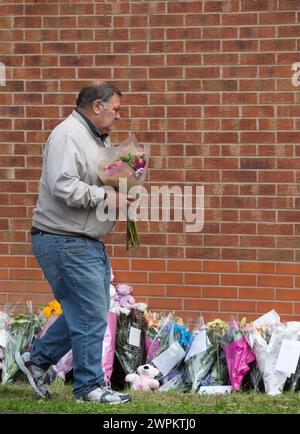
<point x="139" y="162"/>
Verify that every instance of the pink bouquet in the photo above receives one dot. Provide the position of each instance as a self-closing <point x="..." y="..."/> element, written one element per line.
<point x="126" y="167"/>
<point x="238" y="353"/>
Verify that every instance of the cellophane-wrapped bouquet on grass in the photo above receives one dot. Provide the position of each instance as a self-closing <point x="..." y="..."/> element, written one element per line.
<point x="213" y="356"/>
<point x="266" y="341"/>
<point x="22" y="328"/>
<point x="199" y="359"/>
<point x="196" y="365"/>
<point x="169" y="346"/>
<point x="129" y="162"/>
<point x="238" y="351"/>
<point x="130" y="339"/>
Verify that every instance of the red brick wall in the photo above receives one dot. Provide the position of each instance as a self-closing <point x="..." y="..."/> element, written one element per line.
<point x="208" y="85"/>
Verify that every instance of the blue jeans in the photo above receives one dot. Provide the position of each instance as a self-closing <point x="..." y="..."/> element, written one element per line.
<point x="78" y="271"/>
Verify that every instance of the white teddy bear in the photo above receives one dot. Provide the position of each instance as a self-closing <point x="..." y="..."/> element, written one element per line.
<point x="144" y="379"/>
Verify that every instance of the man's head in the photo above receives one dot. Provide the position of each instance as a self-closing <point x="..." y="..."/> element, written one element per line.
<point x="101" y="104"/>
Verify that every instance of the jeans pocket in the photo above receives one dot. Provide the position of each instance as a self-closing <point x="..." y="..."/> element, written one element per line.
<point x="74" y="244"/>
<point x="50" y="270"/>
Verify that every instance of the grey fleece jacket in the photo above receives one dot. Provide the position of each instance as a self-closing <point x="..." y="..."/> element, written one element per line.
<point x="70" y="189"/>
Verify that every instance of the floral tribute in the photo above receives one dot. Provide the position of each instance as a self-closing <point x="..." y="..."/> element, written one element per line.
<point x="128" y="162"/>
<point x="231" y="354"/>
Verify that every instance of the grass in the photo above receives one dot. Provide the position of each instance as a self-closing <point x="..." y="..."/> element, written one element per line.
<point x="19" y="398"/>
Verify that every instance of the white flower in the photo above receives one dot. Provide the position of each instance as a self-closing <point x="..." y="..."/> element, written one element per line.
<point x="119" y="309"/>
<point x="140" y="306"/>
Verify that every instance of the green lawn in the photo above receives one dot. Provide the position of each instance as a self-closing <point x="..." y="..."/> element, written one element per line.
<point x="19" y="398"/>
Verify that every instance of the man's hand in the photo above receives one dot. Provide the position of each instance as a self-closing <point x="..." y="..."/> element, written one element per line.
<point x="116" y="199"/>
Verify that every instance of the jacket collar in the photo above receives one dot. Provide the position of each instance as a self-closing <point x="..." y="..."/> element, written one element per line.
<point x="86" y="121"/>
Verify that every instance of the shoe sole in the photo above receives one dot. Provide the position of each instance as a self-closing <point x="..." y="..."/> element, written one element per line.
<point x="25" y="370"/>
<point x="80" y="401"/>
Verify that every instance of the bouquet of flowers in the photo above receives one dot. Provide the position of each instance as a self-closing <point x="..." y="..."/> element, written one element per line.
<point x="199" y="359"/>
<point x="130" y="337"/>
<point x="238" y="352"/>
<point x="215" y="331"/>
<point x="22" y="328"/>
<point x="169" y="346"/>
<point x="153" y="320"/>
<point x="266" y="341"/>
<point x="128" y="162"/>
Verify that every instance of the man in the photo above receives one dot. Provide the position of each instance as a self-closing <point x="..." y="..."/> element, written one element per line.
<point x="65" y="242"/>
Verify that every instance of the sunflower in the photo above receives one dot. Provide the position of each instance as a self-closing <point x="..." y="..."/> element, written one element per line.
<point x="52" y="308"/>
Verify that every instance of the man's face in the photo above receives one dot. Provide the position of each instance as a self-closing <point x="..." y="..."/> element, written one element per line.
<point x="105" y="117"/>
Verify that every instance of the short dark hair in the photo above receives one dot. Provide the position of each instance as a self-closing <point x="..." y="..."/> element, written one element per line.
<point x="102" y="91"/>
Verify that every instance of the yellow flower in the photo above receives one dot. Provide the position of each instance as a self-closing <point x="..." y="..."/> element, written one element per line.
<point x="52" y="308"/>
<point x="243" y="322"/>
<point x="216" y="324"/>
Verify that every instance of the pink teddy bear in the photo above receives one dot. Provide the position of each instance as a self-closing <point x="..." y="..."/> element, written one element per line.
<point x="123" y="297"/>
<point x="144" y="379"/>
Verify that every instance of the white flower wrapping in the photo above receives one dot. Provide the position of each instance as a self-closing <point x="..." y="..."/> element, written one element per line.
<point x="267" y="355"/>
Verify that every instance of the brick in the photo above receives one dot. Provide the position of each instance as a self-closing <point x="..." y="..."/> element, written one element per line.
<point x="243" y="19"/>
<point x="256" y="267"/>
<point x="165" y="278"/>
<point x="149" y="290"/>
<point x="164" y="303"/>
<point x="41" y="9"/>
<point x="33" y="287"/>
<point x="275" y="281"/>
<point x="287" y="294"/>
<point x="146" y="265"/>
<point x="219" y="292"/>
<point x="130" y="21"/>
<point x="202" y="278"/>
<point x="200" y="304"/>
<point x="127" y="276"/>
<point x="275" y="255"/>
<point x="202" y="19"/>
<point x="184" y="7"/>
<point x="237" y="306"/>
<point x="238" y="254"/>
<point x="280" y="307"/>
<point x="287" y="269"/>
<point x="221" y="266"/>
<point x="238" y="280"/>
<point x="183" y="291"/>
<point x="257" y="293"/>
<point x="25" y="274"/>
